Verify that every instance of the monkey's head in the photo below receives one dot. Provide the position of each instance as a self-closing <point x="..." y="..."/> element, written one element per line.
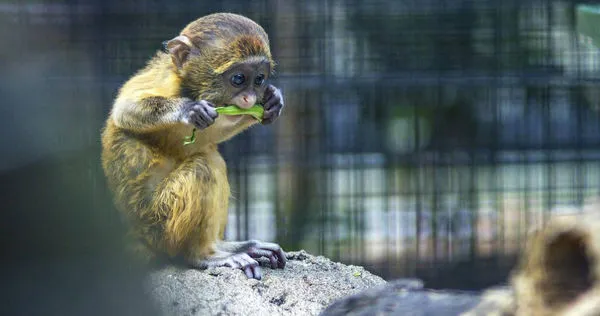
<point x="223" y="58"/>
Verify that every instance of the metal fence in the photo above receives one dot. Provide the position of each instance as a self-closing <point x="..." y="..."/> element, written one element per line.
<point x="416" y="134"/>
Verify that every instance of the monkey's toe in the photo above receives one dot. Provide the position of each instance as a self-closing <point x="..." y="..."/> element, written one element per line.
<point x="271" y="251"/>
<point x="253" y="272"/>
<point x="248" y="265"/>
<point x="239" y="261"/>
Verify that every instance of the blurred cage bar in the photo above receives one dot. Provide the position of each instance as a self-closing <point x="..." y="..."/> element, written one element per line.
<point x="416" y="134"/>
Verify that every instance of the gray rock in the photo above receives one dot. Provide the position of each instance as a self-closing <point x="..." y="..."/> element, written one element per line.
<point x="306" y="286"/>
<point x="403" y="297"/>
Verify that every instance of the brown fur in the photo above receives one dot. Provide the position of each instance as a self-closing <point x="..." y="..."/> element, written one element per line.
<point x="176" y="197"/>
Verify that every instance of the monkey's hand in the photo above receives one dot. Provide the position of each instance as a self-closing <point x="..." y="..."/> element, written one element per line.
<point x="200" y="114"/>
<point x="256" y="249"/>
<point x="233" y="260"/>
<point x="272" y="103"/>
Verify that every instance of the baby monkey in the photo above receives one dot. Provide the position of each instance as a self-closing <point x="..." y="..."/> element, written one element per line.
<point x="176" y="197"/>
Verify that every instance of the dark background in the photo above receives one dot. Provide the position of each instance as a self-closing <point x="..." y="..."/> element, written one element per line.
<point x="420" y="138"/>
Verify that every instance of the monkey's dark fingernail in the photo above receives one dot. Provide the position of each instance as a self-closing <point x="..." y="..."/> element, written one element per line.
<point x="257" y="273"/>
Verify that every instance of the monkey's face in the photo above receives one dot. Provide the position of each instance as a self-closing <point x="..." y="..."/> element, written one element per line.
<point x="230" y="71"/>
<point x="244" y="83"/>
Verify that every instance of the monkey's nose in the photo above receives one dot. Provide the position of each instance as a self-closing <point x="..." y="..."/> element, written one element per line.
<point x="247" y="101"/>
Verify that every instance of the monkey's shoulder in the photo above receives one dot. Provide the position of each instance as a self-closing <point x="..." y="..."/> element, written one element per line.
<point x="156" y="79"/>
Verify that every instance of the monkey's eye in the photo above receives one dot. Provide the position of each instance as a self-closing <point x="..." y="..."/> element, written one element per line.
<point x="238" y="79"/>
<point x="259" y="80"/>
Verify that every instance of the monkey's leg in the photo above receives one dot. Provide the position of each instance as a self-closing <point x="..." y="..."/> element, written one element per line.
<point x="137" y="248"/>
<point x="196" y="197"/>
<point x="142" y="241"/>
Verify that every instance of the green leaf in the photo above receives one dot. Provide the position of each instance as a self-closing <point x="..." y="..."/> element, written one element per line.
<point x="190" y="139"/>
<point x="588" y="22"/>
<point x="255" y="111"/>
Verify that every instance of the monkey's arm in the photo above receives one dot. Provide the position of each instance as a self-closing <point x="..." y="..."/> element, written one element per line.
<point x="153" y="113"/>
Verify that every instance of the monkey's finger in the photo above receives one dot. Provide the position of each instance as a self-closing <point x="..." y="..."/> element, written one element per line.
<point x="253" y="272"/>
<point x="266" y="121"/>
<point x="273" y="111"/>
<point x="208" y="108"/>
<point x="205" y="116"/>
<point x="249" y="265"/>
<point x="274" y="261"/>
<point x="279" y="252"/>
<point x="282" y="258"/>
<point x="268" y="92"/>
<point x="257" y="253"/>
<point x="276" y="249"/>
<point x="211" y="111"/>
<point x="248" y="271"/>
<point x="238" y="261"/>
<point x="192" y="118"/>
<point x="199" y="123"/>
<point x="271" y="115"/>
<point x="229" y="262"/>
<point x="244" y="260"/>
<point x="271" y="102"/>
<point x="257" y="272"/>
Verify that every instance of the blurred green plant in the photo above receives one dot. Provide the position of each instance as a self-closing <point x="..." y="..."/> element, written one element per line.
<point x="588" y="22"/>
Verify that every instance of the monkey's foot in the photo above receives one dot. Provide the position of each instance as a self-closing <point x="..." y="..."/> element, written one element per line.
<point x="256" y="249"/>
<point x="272" y="251"/>
<point x="233" y="260"/>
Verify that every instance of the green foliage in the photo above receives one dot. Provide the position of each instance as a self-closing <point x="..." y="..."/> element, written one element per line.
<point x="588" y="22"/>
<point x="255" y="111"/>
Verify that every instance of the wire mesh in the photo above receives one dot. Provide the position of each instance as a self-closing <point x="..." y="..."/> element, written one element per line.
<point x="417" y="135"/>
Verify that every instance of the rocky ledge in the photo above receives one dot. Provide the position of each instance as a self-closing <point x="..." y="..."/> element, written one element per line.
<point x="309" y="285"/>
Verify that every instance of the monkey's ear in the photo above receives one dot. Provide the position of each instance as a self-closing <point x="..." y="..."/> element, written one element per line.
<point x="179" y="48"/>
